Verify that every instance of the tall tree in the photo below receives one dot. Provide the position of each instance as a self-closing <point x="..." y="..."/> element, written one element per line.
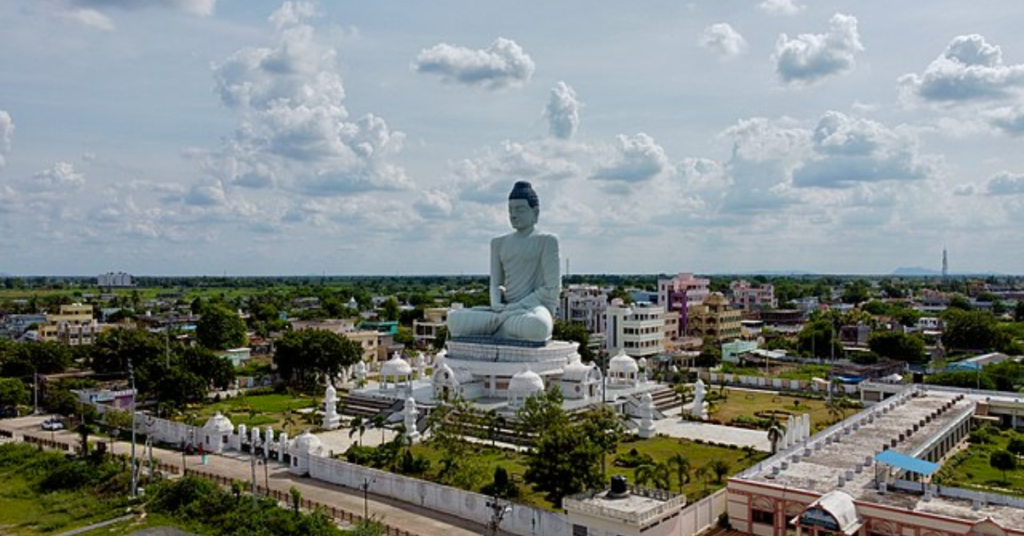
<point x="574" y="332"/>
<point x="1003" y="460"/>
<point x="302" y="355"/>
<point x="565" y="461"/>
<point x="898" y="346"/>
<point x="220" y="328"/>
<point x="13" y="393"/>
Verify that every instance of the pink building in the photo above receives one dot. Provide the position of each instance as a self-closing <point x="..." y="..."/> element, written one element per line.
<point x="748" y="297"/>
<point x="681" y="292"/>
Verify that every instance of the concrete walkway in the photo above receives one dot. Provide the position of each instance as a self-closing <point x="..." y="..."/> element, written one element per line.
<point x="741" y="437"/>
<point x="407" y="517"/>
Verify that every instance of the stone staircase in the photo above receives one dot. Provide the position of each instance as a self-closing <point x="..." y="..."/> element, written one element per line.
<point x="665" y="399"/>
<point x="355" y="405"/>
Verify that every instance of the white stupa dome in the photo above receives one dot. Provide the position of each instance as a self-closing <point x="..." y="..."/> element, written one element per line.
<point x="331" y="391"/>
<point x="575" y="371"/>
<point x="360" y="367"/>
<point x="306" y="443"/>
<point x="642" y="362"/>
<point x="526" y="383"/>
<point x="623" y="363"/>
<point x="219" y="424"/>
<point x="396" y="366"/>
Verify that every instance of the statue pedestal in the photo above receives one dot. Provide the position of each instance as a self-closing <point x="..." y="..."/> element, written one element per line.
<point x="481" y="367"/>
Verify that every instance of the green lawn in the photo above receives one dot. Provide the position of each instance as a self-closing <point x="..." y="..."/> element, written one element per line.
<point x="741" y="402"/>
<point x="971" y="469"/>
<point x="259" y="410"/>
<point x="659" y="448"/>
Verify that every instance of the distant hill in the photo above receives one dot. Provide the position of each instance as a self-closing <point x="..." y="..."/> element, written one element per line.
<point x="915" y="270"/>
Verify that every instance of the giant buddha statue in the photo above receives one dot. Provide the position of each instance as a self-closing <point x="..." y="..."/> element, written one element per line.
<point x="525" y="279"/>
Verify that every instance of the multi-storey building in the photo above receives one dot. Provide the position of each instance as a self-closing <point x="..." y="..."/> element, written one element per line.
<point x="639" y="330"/>
<point x="682" y="292"/>
<point x="367" y="339"/>
<point x="434" y="318"/>
<point x="715" y="319"/>
<point x="585" y="304"/>
<point x="749" y="298"/>
<point x="114" y="279"/>
<point x="73" y="324"/>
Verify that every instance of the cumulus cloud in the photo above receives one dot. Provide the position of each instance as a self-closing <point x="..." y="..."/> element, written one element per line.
<point x="563" y="111"/>
<point x="61" y="175"/>
<point x="193" y="7"/>
<point x="1008" y="120"/>
<point x="206" y="195"/>
<point x="780" y="7"/>
<point x="964" y="190"/>
<point x="485" y="179"/>
<point x="849" y="150"/>
<point x="1005" y="183"/>
<point x="503" y="64"/>
<point x="434" y="204"/>
<point x="293" y="124"/>
<point x="6" y="135"/>
<point x="723" y="40"/>
<point x="764" y="153"/>
<point x="970" y="69"/>
<point x="292" y="13"/>
<point x="809" y="58"/>
<point x="87" y="17"/>
<point x="637" y="159"/>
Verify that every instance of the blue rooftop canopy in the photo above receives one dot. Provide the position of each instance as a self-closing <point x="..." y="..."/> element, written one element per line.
<point x="909" y="463"/>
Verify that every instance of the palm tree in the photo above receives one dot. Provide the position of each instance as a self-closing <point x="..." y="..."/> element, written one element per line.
<point x="836" y="409"/>
<point x="379" y="420"/>
<point x="358" y="425"/>
<point x="702" y="473"/>
<point x="720" y="468"/>
<point x="775" y="435"/>
<point x="681" y="465"/>
<point x="655" y="474"/>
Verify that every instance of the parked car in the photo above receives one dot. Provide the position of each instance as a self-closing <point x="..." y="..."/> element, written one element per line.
<point x="53" y="424"/>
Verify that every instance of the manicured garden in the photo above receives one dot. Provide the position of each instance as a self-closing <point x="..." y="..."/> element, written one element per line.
<point x="277" y="410"/>
<point x="973" y="468"/>
<point x="654" y="452"/>
<point x="744" y="404"/>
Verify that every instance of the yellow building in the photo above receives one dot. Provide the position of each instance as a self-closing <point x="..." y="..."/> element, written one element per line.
<point x="366" y="339"/>
<point x="714" y="318"/>
<point x="73" y="324"/>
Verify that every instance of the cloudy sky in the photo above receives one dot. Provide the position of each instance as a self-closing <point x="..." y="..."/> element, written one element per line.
<point x="261" y="138"/>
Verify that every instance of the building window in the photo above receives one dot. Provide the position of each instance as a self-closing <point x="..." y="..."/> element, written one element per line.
<point x="763" y="516"/>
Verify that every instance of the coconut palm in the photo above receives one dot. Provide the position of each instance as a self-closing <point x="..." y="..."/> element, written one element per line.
<point x="702" y="473"/>
<point x="681" y="465"/>
<point x="654" y="475"/>
<point x="720" y="468"/>
<point x="775" y="435"/>
<point x="379" y="420"/>
<point x="357" y="426"/>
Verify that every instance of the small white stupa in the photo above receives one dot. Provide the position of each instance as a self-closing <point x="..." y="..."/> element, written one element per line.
<point x="332" y="421"/>
<point x="523" y="385"/>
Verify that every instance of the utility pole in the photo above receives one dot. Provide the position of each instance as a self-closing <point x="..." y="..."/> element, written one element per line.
<point x="366" y="500"/>
<point x="252" y="463"/>
<point x="135" y="476"/>
<point x="35" y="392"/>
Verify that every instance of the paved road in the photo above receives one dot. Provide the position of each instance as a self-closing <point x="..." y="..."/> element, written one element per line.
<point x="408" y="517"/>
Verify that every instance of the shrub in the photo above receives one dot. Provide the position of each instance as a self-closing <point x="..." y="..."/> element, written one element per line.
<point x="633" y="459"/>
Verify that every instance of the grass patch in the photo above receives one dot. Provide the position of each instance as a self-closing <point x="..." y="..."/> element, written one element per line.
<point x="260" y="410"/>
<point x="658" y="448"/>
<point x="970" y="468"/>
<point x="740" y="402"/>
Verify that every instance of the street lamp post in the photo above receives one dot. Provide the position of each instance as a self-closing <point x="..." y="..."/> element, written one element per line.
<point x="366" y="498"/>
<point x="135" y="476"/>
<point x="498" y="512"/>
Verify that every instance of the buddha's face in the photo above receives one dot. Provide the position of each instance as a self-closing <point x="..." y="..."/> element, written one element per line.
<point x="521" y="215"/>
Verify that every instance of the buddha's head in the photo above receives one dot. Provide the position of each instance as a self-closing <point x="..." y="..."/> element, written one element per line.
<point x="523" y="206"/>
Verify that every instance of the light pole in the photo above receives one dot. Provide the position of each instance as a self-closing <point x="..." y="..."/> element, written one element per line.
<point x="252" y="463"/>
<point x="366" y="499"/>
<point x="498" y="512"/>
<point x="135" y="476"/>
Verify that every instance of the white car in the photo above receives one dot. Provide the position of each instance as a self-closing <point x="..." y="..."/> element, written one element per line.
<point x="53" y="424"/>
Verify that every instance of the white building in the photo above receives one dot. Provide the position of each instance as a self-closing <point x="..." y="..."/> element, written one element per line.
<point x="586" y="304"/>
<point x="114" y="279"/>
<point x="638" y="330"/>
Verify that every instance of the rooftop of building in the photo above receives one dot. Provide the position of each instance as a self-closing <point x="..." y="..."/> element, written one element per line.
<point x="848" y="449"/>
